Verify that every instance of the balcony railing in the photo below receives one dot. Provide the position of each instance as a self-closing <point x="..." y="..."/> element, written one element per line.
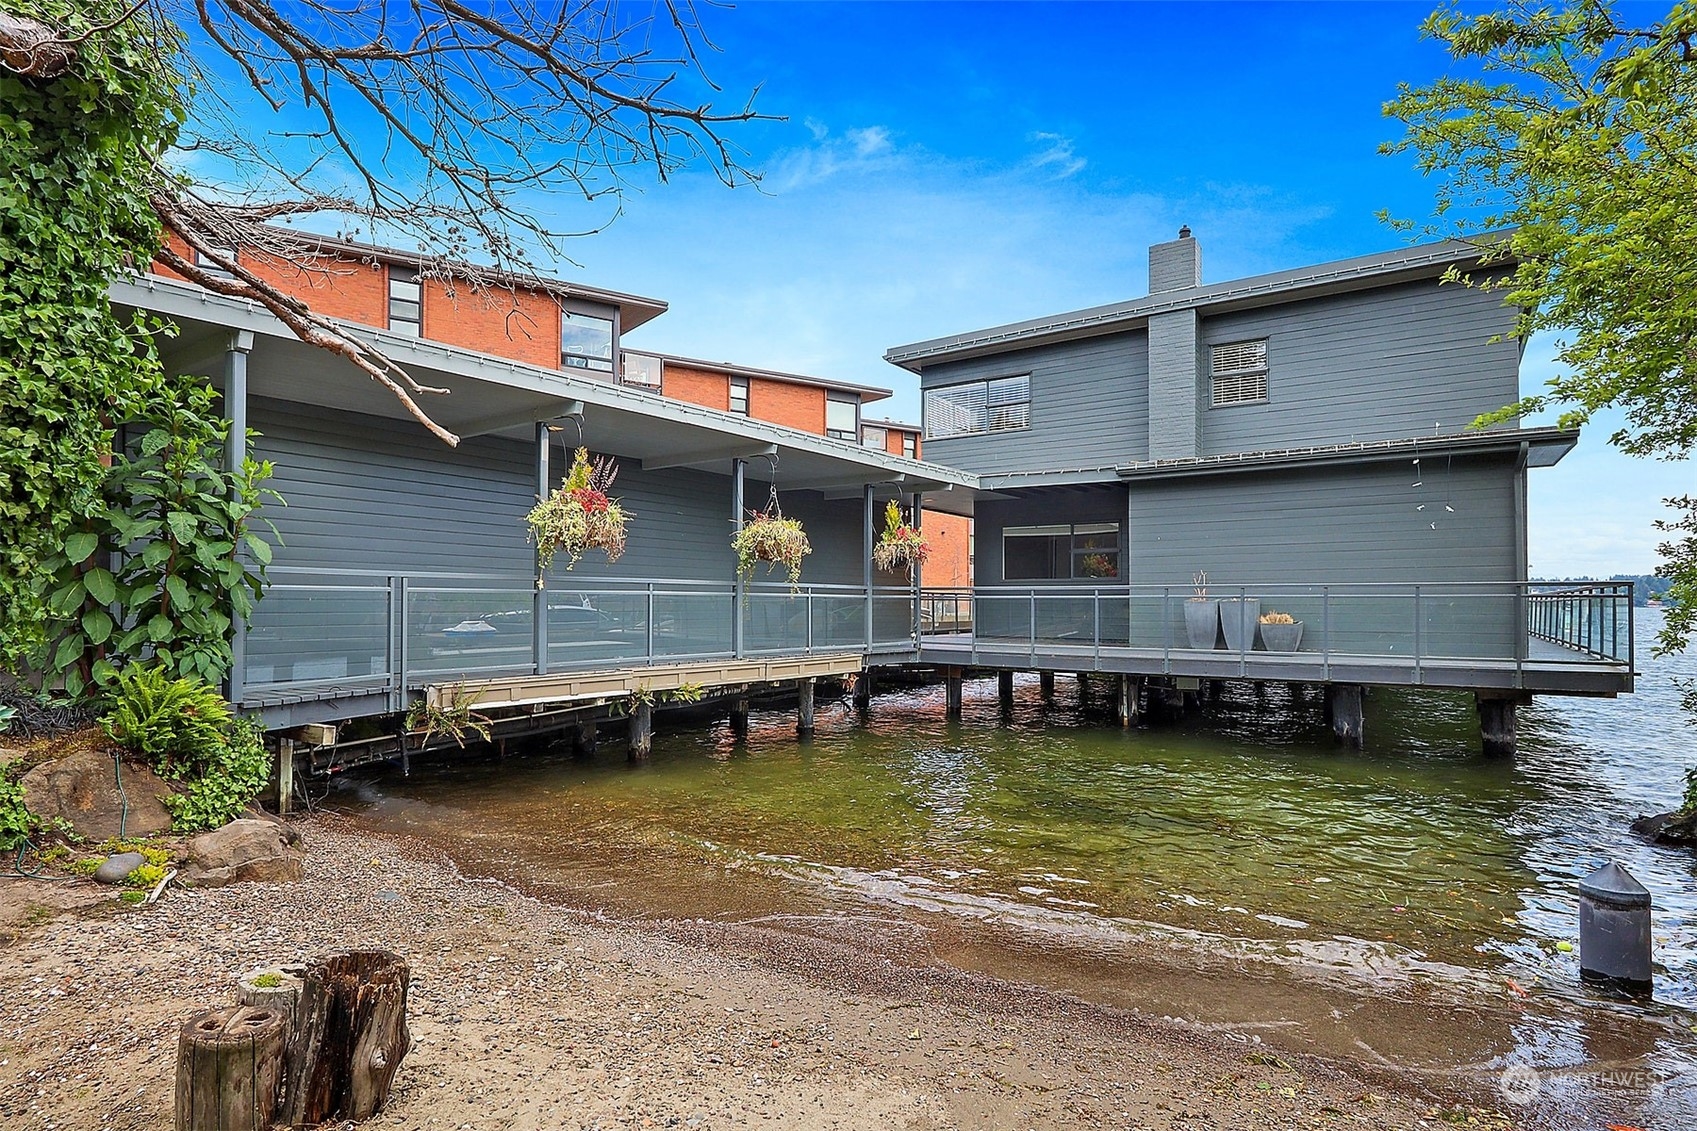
<point x="394" y="632"/>
<point x="1512" y="623"/>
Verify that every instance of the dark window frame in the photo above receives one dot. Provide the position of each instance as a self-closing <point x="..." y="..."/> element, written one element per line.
<point x="590" y="362"/>
<point x="406" y="276"/>
<point x="1082" y="542"/>
<point x="739" y="384"/>
<point x="980" y="408"/>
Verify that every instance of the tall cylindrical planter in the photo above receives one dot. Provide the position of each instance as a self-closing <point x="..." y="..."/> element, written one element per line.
<point x="1202" y="623"/>
<point x="1238" y="620"/>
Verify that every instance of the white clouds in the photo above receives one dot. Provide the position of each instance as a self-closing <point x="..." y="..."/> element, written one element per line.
<point x="1057" y="156"/>
<point x="870" y="141"/>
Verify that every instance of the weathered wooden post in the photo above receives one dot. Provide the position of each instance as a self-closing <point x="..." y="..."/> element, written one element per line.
<point x="863" y="691"/>
<point x="739" y="717"/>
<point x="1129" y="687"/>
<point x="584" y="738"/>
<point x="285" y="776"/>
<point x="641" y="731"/>
<point x="1004" y="691"/>
<point x="349" y="1038"/>
<point x="1046" y="686"/>
<point x="1614" y="930"/>
<point x="230" y="1064"/>
<point x="804" y="708"/>
<point x="952" y="694"/>
<point x="1497" y="723"/>
<point x="1343" y="710"/>
<point x="1083" y="688"/>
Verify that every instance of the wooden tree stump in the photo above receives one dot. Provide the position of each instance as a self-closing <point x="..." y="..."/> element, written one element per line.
<point x="350" y="1035"/>
<point x="229" y="1066"/>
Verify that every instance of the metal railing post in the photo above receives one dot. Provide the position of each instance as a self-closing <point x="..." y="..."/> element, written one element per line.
<point x="1167" y="630"/>
<point x="1326" y="631"/>
<point x="739" y="587"/>
<point x="1033" y="638"/>
<point x="1244" y="639"/>
<point x="810" y="620"/>
<point x="402" y="619"/>
<point x="1419" y="675"/>
<point x="650" y="622"/>
<point x="1096" y="627"/>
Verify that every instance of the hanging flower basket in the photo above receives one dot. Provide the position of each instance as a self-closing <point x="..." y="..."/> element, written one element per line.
<point x="899" y="546"/>
<point x="770" y="537"/>
<point x="579" y="515"/>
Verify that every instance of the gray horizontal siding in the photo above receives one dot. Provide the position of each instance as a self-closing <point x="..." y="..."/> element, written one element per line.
<point x="1371" y="365"/>
<point x="1089" y="407"/>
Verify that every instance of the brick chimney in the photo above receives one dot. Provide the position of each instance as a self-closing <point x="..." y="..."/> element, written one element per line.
<point x="1176" y="264"/>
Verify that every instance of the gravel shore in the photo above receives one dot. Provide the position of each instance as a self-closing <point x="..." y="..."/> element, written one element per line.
<point x="528" y="1015"/>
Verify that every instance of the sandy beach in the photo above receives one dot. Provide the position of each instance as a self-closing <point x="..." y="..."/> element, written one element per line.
<point x="532" y="1015"/>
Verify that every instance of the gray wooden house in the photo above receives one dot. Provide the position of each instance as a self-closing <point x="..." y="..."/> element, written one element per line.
<point x="404" y="569"/>
<point x="1303" y="440"/>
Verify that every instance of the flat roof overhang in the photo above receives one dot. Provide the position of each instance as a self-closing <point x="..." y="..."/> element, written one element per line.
<point x="1535" y="447"/>
<point x="490" y="395"/>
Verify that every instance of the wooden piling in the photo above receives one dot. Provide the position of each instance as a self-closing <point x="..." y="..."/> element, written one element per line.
<point x="1344" y="711"/>
<point x="1046" y="686"/>
<point x="739" y="717"/>
<point x="1004" y="691"/>
<point x="804" y="708"/>
<point x="641" y="731"/>
<point x="952" y="679"/>
<point x="584" y="739"/>
<point x="1498" y="719"/>
<point x="1128" y="692"/>
<point x="286" y="776"/>
<point x="863" y="691"/>
<point x="230" y="1065"/>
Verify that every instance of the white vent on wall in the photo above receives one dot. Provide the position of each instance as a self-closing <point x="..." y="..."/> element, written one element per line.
<point x="1239" y="372"/>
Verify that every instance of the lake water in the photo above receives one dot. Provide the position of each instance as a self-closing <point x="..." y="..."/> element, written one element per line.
<point x="1236" y="870"/>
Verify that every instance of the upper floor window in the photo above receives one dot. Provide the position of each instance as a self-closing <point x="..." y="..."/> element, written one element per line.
<point x="842" y="416"/>
<point x="639" y="369"/>
<point x="873" y="436"/>
<point x="405" y="310"/>
<point x="1085" y="551"/>
<point x="739" y="395"/>
<point x="1000" y="405"/>
<point x="212" y="266"/>
<point x="1239" y="372"/>
<point x="910" y="445"/>
<point x="586" y="341"/>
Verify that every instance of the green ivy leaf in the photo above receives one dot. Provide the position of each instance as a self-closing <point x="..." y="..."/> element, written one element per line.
<point x="97" y="625"/>
<point x="101" y="585"/>
<point x="78" y="547"/>
<point x="259" y="548"/>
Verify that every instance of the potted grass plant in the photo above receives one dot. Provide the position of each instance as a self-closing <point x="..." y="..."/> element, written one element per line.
<point x="579" y="515"/>
<point x="1280" y="632"/>
<point x="900" y="546"/>
<point x="1201" y="616"/>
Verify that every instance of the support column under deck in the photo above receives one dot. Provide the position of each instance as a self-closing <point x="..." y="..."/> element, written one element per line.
<point x="863" y="691"/>
<point x="1344" y="712"/>
<point x="584" y="739"/>
<point x="1046" y="686"/>
<point x="952" y="694"/>
<point x="1004" y="691"/>
<point x="641" y="732"/>
<point x="739" y="717"/>
<point x="804" y="708"/>
<point x="1130" y="691"/>
<point x="285" y="777"/>
<point x="235" y="455"/>
<point x="1498" y="719"/>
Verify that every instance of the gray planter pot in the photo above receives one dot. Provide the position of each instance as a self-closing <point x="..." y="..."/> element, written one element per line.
<point x="1238" y="620"/>
<point x="1202" y="623"/>
<point x="1281" y="637"/>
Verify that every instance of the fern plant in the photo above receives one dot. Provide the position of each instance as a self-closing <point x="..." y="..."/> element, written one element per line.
<point x="178" y="725"/>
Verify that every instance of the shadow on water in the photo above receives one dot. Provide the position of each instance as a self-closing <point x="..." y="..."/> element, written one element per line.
<point x="1235" y="869"/>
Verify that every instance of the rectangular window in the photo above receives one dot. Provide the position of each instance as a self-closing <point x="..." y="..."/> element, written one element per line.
<point x="586" y="341"/>
<point x="910" y="445"/>
<point x="875" y="437"/>
<point x="842" y="416"/>
<point x="1239" y="372"/>
<point x="1082" y="551"/>
<point x="211" y="266"/>
<point x="405" y="310"/>
<point x="640" y="369"/>
<point x="739" y="395"/>
<point x="1001" y="405"/>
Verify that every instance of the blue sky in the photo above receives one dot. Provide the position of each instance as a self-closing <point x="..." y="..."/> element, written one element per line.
<point x="949" y="166"/>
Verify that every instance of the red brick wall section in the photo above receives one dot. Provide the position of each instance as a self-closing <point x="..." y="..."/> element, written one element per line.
<point x="950" y="563"/>
<point x="893" y="442"/>
<point x="521" y="325"/>
<point x="176" y="244"/>
<point x="697" y="386"/>
<point x="796" y="406"/>
<point x="332" y="286"/>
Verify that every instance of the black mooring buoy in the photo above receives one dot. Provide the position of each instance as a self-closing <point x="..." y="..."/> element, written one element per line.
<point x="1614" y="930"/>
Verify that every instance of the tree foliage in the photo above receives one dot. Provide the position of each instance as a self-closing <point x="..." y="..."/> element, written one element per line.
<point x="76" y="174"/>
<point x="1577" y="131"/>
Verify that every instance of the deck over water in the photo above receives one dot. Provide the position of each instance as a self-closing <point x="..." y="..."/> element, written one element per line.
<point x="1546" y="667"/>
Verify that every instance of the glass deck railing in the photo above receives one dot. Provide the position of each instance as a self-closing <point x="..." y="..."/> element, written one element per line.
<point x="381" y="632"/>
